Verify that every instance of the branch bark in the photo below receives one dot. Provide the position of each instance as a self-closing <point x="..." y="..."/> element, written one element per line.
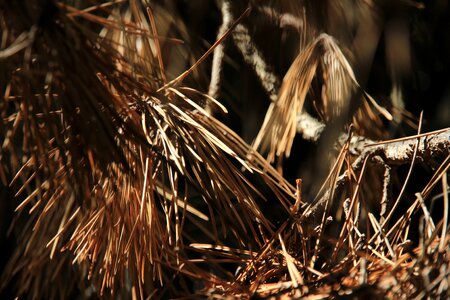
<point x="430" y="146"/>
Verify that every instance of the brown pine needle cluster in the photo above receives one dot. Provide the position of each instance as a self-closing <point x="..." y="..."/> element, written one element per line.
<point x="321" y="60"/>
<point x="351" y="251"/>
<point x="112" y="165"/>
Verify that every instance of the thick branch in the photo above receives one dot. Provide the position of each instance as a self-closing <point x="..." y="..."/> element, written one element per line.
<point x="431" y="145"/>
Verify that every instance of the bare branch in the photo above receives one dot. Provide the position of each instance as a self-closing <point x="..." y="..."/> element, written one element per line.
<point x="219" y="52"/>
<point x="284" y="20"/>
<point x="309" y="127"/>
<point x="396" y="153"/>
<point x="253" y="56"/>
<point x="386" y="190"/>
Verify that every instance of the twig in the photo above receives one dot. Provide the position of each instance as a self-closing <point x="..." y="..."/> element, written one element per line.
<point x="250" y="52"/>
<point x="284" y="20"/>
<point x="386" y="190"/>
<point x="445" y="219"/>
<point x="219" y="52"/>
<point x="397" y="153"/>
<point x="414" y="156"/>
<point x="310" y="128"/>
<point x="253" y="56"/>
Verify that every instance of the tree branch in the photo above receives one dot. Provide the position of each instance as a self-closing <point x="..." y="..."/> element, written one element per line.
<point x="253" y="56"/>
<point x="430" y="146"/>
<point x="219" y="52"/>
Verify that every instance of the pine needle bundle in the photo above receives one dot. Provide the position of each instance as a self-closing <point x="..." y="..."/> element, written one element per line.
<point x="338" y="96"/>
<point x="115" y="164"/>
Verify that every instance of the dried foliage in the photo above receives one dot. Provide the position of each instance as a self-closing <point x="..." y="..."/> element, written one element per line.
<point x="347" y="249"/>
<point x="339" y="90"/>
<point x="125" y="184"/>
<point x="112" y="160"/>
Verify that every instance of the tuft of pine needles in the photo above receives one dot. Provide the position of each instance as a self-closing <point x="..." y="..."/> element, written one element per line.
<point x="353" y="251"/>
<point x="113" y="163"/>
<point x="321" y="60"/>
